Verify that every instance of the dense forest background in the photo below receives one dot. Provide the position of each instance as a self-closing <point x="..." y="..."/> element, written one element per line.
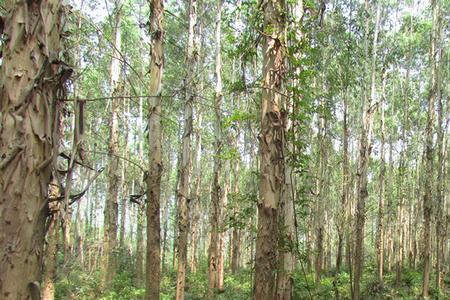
<point x="225" y="149"/>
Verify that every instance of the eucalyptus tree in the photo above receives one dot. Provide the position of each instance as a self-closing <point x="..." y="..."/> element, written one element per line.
<point x="365" y="144"/>
<point x="32" y="78"/>
<point x="186" y="149"/>
<point x="429" y="151"/>
<point x="216" y="192"/>
<point x="109" y="265"/>
<point x="271" y="148"/>
<point x="154" y="153"/>
<point x="441" y="165"/>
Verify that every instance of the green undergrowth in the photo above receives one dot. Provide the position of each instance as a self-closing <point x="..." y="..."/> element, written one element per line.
<point x="76" y="284"/>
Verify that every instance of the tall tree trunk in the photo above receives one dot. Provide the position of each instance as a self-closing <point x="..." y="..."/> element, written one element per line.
<point x="429" y="170"/>
<point x="140" y="209"/>
<point x="123" y="179"/>
<point x="185" y="163"/>
<point x="417" y="197"/>
<point x="343" y="217"/>
<point x="140" y="246"/>
<point x="153" y="262"/>
<point x="213" y="251"/>
<point x="285" y="280"/>
<point x="221" y="226"/>
<point x="195" y="193"/>
<point x="364" y="153"/>
<point x="389" y="208"/>
<point x="138" y="183"/>
<point x="167" y="197"/>
<point x="441" y="165"/>
<point x="236" y="230"/>
<point x="406" y="124"/>
<point x="109" y="263"/>
<point x="401" y="195"/>
<point x="320" y="192"/>
<point x="271" y="144"/>
<point x="175" y="208"/>
<point x="197" y="172"/>
<point x="380" y="218"/>
<point x="32" y="78"/>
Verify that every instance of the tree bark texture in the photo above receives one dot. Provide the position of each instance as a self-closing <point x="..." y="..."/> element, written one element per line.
<point x="111" y="209"/>
<point x="271" y="144"/>
<point x="216" y="192"/>
<point x="429" y="151"/>
<point x="32" y="76"/>
<point x="364" y="153"/>
<point x="51" y="247"/>
<point x="153" y="262"/>
<point x="185" y="163"/>
<point x="195" y="194"/>
<point x="380" y="218"/>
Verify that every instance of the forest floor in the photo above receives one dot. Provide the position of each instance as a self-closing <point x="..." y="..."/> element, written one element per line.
<point x="79" y="285"/>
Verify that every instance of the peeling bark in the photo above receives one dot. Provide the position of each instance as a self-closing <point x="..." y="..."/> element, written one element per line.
<point x="364" y="153"/>
<point x="271" y="143"/>
<point x="32" y="76"/>
<point x="195" y="194"/>
<point x="153" y="263"/>
<point x="185" y="163"/>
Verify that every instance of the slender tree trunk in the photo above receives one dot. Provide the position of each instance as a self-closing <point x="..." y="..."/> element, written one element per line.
<point x="344" y="214"/>
<point x="401" y="188"/>
<point x="222" y="233"/>
<point x="406" y="124"/>
<point x="329" y="221"/>
<point x="109" y="263"/>
<point x="195" y="193"/>
<point x="31" y="83"/>
<point x="140" y="208"/>
<point x="77" y="146"/>
<point x="364" y="154"/>
<point x="429" y="170"/>
<point x="271" y="144"/>
<point x="123" y="180"/>
<point x="185" y="164"/>
<point x="236" y="233"/>
<point x="389" y="210"/>
<point x="416" y="215"/>
<point x="166" y="210"/>
<point x="285" y="280"/>
<point x="320" y="193"/>
<point x="197" y="172"/>
<point x="440" y="205"/>
<point x="153" y="262"/>
<point x="175" y="211"/>
<point x="140" y="278"/>
<point x="380" y="221"/>
<point x="213" y="251"/>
